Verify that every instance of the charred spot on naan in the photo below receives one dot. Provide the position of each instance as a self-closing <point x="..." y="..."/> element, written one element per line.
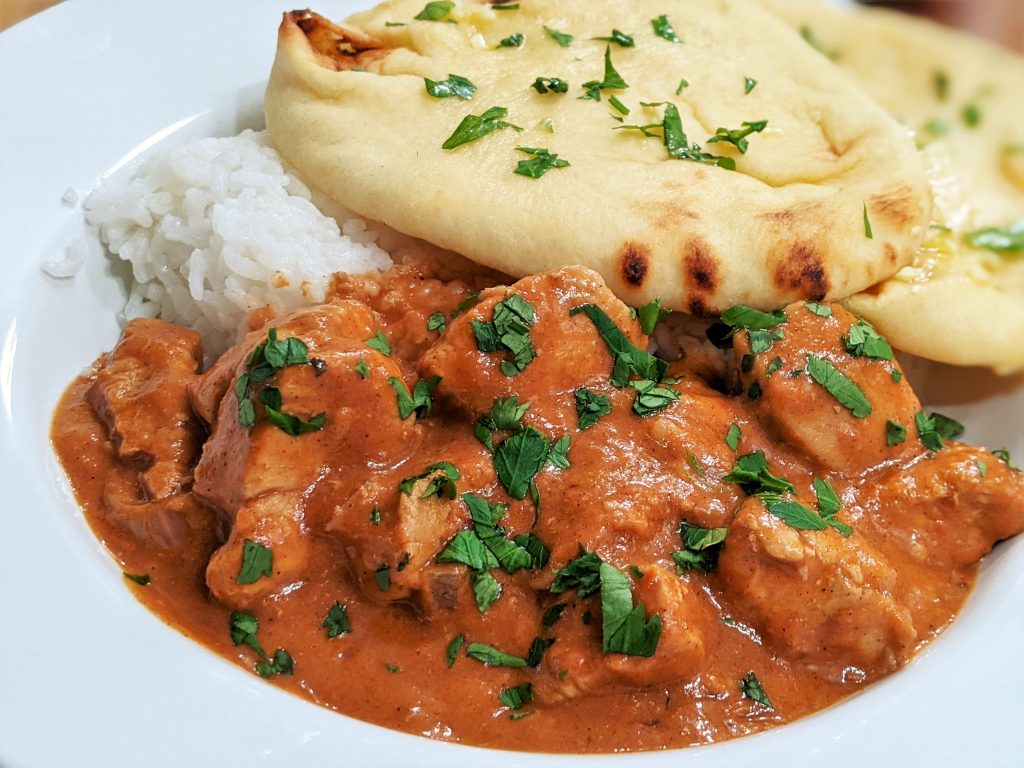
<point x="336" y="47"/>
<point x="700" y="271"/>
<point x="801" y="272"/>
<point x="634" y="259"/>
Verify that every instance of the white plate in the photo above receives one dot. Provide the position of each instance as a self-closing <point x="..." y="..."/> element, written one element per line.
<point x="88" y="677"/>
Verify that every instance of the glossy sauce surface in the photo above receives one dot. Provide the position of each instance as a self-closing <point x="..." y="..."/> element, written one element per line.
<point x="815" y="615"/>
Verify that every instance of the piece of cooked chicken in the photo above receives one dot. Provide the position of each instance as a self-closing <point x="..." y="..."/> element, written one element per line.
<point x="140" y="393"/>
<point x="568" y="352"/>
<point x="817" y="595"/>
<point x="263" y="477"/>
<point x="570" y="667"/>
<point x="802" y="411"/>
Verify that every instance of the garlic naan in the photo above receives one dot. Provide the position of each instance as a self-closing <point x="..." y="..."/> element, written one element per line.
<point x="829" y="197"/>
<point x="964" y="99"/>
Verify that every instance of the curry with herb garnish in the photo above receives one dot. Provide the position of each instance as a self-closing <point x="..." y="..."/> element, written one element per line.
<point x="446" y="511"/>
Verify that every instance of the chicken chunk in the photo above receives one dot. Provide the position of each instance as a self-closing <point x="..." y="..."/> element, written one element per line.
<point x="948" y="509"/>
<point x="261" y="478"/>
<point x="392" y="537"/>
<point x="141" y="394"/>
<point x="819" y="597"/>
<point x="575" y="666"/>
<point x="348" y="318"/>
<point x="803" y="412"/>
<point x="569" y="352"/>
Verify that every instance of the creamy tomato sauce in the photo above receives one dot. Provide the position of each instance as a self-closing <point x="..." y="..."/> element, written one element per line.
<point x="177" y="486"/>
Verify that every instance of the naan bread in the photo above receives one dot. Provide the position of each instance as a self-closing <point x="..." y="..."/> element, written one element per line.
<point x="348" y="107"/>
<point x="955" y="303"/>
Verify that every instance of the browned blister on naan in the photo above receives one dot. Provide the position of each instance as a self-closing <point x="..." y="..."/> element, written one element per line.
<point x="347" y="105"/>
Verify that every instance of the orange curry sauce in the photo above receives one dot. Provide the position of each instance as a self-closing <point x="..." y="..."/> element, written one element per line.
<point x="174" y="485"/>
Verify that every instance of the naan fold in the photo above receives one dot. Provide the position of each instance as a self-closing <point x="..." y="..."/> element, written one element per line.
<point x="964" y="99"/>
<point x="829" y="198"/>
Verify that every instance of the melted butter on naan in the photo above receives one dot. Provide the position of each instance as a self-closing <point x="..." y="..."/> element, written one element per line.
<point x="955" y="303"/>
<point x="347" y="106"/>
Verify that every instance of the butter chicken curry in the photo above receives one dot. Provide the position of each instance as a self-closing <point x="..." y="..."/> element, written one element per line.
<point x="446" y="511"/>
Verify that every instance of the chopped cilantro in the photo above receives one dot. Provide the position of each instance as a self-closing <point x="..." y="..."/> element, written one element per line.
<point x="436" y="10"/>
<point x="515" y="40"/>
<point x="552" y="84"/>
<point x="437" y="322"/>
<point x="509" y="331"/>
<point x="486" y="590"/>
<point x="625" y="628"/>
<point x="141" y="579"/>
<point x="455" y="85"/>
<point x="750" y="687"/>
<point x="536" y="652"/>
<point x="504" y="5"/>
<point x="864" y="341"/>
<point x="581" y="574"/>
<point x="475" y="127"/>
<point x="280" y="664"/>
<point x="243" y="627"/>
<point x="752" y="475"/>
<point x="561" y="38"/>
<point x="821" y="310"/>
<point x="650" y="315"/>
<point x="896" y="375"/>
<point x="829" y="505"/>
<point x="749" y="84"/>
<point x="652" y="397"/>
<point x="1004" y="456"/>
<point x="941" y="82"/>
<point x="982" y="468"/>
<point x="628" y="358"/>
<point x="590" y="407"/>
<point x="663" y="28"/>
<point x="844" y="390"/>
<point x="517" y="697"/>
<point x="620" y="38"/>
<point x="732" y="437"/>
<point x="895" y="433"/>
<point x="793" y="513"/>
<point x="289" y="424"/>
<point x="375" y="515"/>
<point x="971" y="115"/>
<point x="695" y="465"/>
<point x="683" y="85"/>
<point x="256" y="562"/>
<point x="491" y="656"/>
<point x="383" y="577"/>
<point x="738" y="136"/>
<point x="742" y="316"/>
<point x="558" y="454"/>
<point x="552" y="615"/>
<point x="700" y="548"/>
<point x="612" y="79"/>
<point x="420" y="401"/>
<point x="867" y="224"/>
<point x="617" y="105"/>
<point x="380" y="343"/>
<point x="540" y="163"/>
<point x="773" y="366"/>
<point x="468" y="549"/>
<point x="1009" y="239"/>
<point x="442" y="484"/>
<point x="453" y="649"/>
<point x="336" y="621"/>
<point x="518" y="460"/>
<point x="931" y="429"/>
<point x="362" y="369"/>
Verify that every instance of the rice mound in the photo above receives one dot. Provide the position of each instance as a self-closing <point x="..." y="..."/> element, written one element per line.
<point x="217" y="228"/>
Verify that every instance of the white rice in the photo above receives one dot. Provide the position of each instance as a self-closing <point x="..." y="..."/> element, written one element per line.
<point x="218" y="228"/>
